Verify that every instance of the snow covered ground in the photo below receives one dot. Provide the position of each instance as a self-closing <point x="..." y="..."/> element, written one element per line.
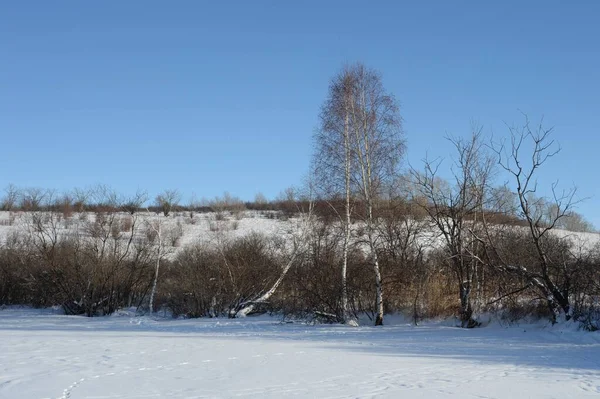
<point x="207" y="228"/>
<point x="202" y="228"/>
<point x="48" y="355"/>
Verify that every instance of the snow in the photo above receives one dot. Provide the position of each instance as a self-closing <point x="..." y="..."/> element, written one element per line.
<point x="44" y="354"/>
<point x="206" y="228"/>
<point x="47" y="355"/>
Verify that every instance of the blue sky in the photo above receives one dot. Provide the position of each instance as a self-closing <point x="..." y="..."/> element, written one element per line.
<point x="208" y="97"/>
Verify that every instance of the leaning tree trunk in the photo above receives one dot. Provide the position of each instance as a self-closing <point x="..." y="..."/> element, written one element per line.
<point x="156" y="269"/>
<point x="246" y="307"/>
<point x="557" y="303"/>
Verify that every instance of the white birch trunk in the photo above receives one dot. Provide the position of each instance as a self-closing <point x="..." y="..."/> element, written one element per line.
<point x="363" y="154"/>
<point x="376" y="270"/>
<point x="299" y="242"/>
<point x="345" y="309"/>
<point x="158" y="255"/>
<point x="248" y="307"/>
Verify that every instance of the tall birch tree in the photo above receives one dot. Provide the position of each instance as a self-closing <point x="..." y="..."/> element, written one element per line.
<point x="358" y="150"/>
<point x="332" y="164"/>
<point x="377" y="147"/>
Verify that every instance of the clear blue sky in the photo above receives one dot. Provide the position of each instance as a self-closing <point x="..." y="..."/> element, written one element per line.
<point x="208" y="97"/>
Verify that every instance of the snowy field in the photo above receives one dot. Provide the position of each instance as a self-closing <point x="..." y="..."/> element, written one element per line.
<point x="48" y="355"/>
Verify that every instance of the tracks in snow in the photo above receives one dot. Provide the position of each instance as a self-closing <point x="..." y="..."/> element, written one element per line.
<point x="197" y="365"/>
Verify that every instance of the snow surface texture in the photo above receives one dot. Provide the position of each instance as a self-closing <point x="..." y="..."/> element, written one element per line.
<point x="202" y="228"/>
<point x="207" y="228"/>
<point x="48" y="355"/>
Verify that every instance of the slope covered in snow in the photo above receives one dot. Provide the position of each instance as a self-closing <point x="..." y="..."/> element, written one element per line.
<point x="212" y="227"/>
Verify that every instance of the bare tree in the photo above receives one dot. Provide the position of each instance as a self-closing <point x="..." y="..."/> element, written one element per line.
<point x="103" y="194"/>
<point x="80" y="199"/>
<point x="133" y="203"/>
<point x="358" y="150"/>
<point x="456" y="212"/>
<point x="43" y="227"/>
<point x="33" y="198"/>
<point x="167" y="200"/>
<point x="377" y="146"/>
<point x="11" y="198"/>
<point x="193" y="205"/>
<point x="156" y="226"/>
<point x="404" y="232"/>
<point x="549" y="275"/>
<point x="332" y="162"/>
<point x="228" y="203"/>
<point x="573" y="221"/>
<point x="260" y="201"/>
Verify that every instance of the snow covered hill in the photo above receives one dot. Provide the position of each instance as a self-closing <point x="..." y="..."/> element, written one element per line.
<point x="202" y="227"/>
<point x="211" y="227"/>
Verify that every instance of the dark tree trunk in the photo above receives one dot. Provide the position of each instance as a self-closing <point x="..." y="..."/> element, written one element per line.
<point x="466" y="309"/>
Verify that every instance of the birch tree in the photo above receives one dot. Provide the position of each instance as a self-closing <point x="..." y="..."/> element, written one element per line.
<point x="299" y="242"/>
<point x="332" y="163"/>
<point x="358" y="149"/>
<point x="377" y="146"/>
<point x="156" y="227"/>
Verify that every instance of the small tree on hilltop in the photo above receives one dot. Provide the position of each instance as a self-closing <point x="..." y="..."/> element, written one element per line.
<point x="167" y="201"/>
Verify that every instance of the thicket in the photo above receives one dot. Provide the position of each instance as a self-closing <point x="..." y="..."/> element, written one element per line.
<point x="94" y="263"/>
